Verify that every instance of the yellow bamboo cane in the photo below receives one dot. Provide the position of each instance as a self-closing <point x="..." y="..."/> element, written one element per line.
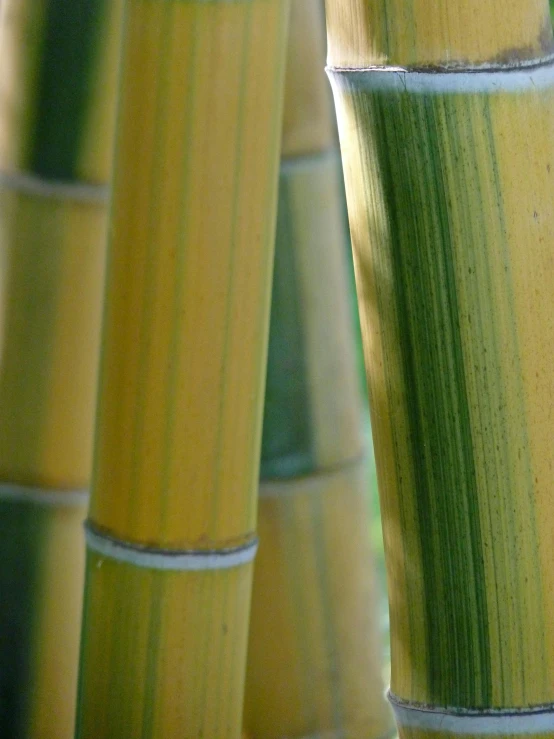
<point x="449" y="157"/>
<point x="171" y="534"/>
<point x="57" y="92"/>
<point x="314" y="657"/>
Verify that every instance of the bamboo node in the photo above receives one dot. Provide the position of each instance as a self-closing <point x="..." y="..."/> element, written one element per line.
<point x="30" y="184"/>
<point x="310" y="160"/>
<point x="490" y="721"/>
<point x="278" y="487"/>
<point x="181" y="560"/>
<point x="43" y="496"/>
<point x="455" y="80"/>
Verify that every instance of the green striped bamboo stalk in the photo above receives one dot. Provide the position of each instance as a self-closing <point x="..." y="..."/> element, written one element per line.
<point x="57" y="93"/>
<point x="171" y="534"/>
<point x="314" y="657"/>
<point x="447" y="130"/>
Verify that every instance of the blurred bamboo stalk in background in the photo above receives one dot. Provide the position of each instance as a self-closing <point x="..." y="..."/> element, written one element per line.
<point x="449" y="162"/>
<point x="314" y="660"/>
<point x="57" y="91"/>
<point x="171" y="535"/>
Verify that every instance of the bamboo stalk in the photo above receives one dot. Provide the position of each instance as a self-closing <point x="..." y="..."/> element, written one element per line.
<point x="314" y="660"/>
<point x="312" y="405"/>
<point x="57" y="92"/>
<point x="450" y="188"/>
<point x="314" y="657"/>
<point x="171" y="534"/>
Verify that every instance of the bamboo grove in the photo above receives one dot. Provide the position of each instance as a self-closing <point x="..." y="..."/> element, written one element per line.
<point x="447" y="132"/>
<point x="190" y="627"/>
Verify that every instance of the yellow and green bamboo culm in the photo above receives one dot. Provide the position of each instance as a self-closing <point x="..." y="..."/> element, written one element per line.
<point x="171" y="532"/>
<point x="57" y="93"/>
<point x="446" y="122"/>
<point x="314" y="666"/>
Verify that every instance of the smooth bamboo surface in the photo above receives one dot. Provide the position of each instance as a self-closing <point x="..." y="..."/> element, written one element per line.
<point x="57" y="94"/>
<point x="314" y="665"/>
<point x="183" y="362"/>
<point x="450" y="188"/>
<point x="314" y="653"/>
<point x="307" y="124"/>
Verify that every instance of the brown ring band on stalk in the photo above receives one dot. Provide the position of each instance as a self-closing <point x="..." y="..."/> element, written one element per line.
<point x="43" y="496"/>
<point x="180" y="560"/>
<point x="440" y="80"/>
<point x="30" y="184"/>
<point x="490" y="721"/>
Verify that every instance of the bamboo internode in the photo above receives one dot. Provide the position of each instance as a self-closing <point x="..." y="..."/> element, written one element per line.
<point x="307" y="126"/>
<point x="57" y="93"/>
<point x="312" y="406"/>
<point x="173" y="512"/>
<point x="450" y="191"/>
<point x="314" y="592"/>
<point x="314" y="654"/>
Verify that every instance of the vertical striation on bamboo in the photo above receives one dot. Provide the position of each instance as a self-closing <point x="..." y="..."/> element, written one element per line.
<point x="57" y="92"/>
<point x="446" y="122"/>
<point x="314" y="666"/>
<point x="171" y="533"/>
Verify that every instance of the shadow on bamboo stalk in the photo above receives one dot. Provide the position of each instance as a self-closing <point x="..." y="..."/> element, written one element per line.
<point x="57" y="92"/>
<point x="314" y="663"/>
<point x="449" y="162"/>
<point x="171" y="535"/>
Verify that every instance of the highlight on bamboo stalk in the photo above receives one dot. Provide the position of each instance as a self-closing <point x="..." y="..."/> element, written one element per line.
<point x="314" y="666"/>
<point x="171" y="532"/>
<point x="57" y="93"/>
<point x="447" y="132"/>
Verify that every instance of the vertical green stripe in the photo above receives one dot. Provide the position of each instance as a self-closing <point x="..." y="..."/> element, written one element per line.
<point x="381" y="267"/>
<point x="439" y="439"/>
<point x="22" y="529"/>
<point x="72" y="35"/>
<point x="287" y="441"/>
